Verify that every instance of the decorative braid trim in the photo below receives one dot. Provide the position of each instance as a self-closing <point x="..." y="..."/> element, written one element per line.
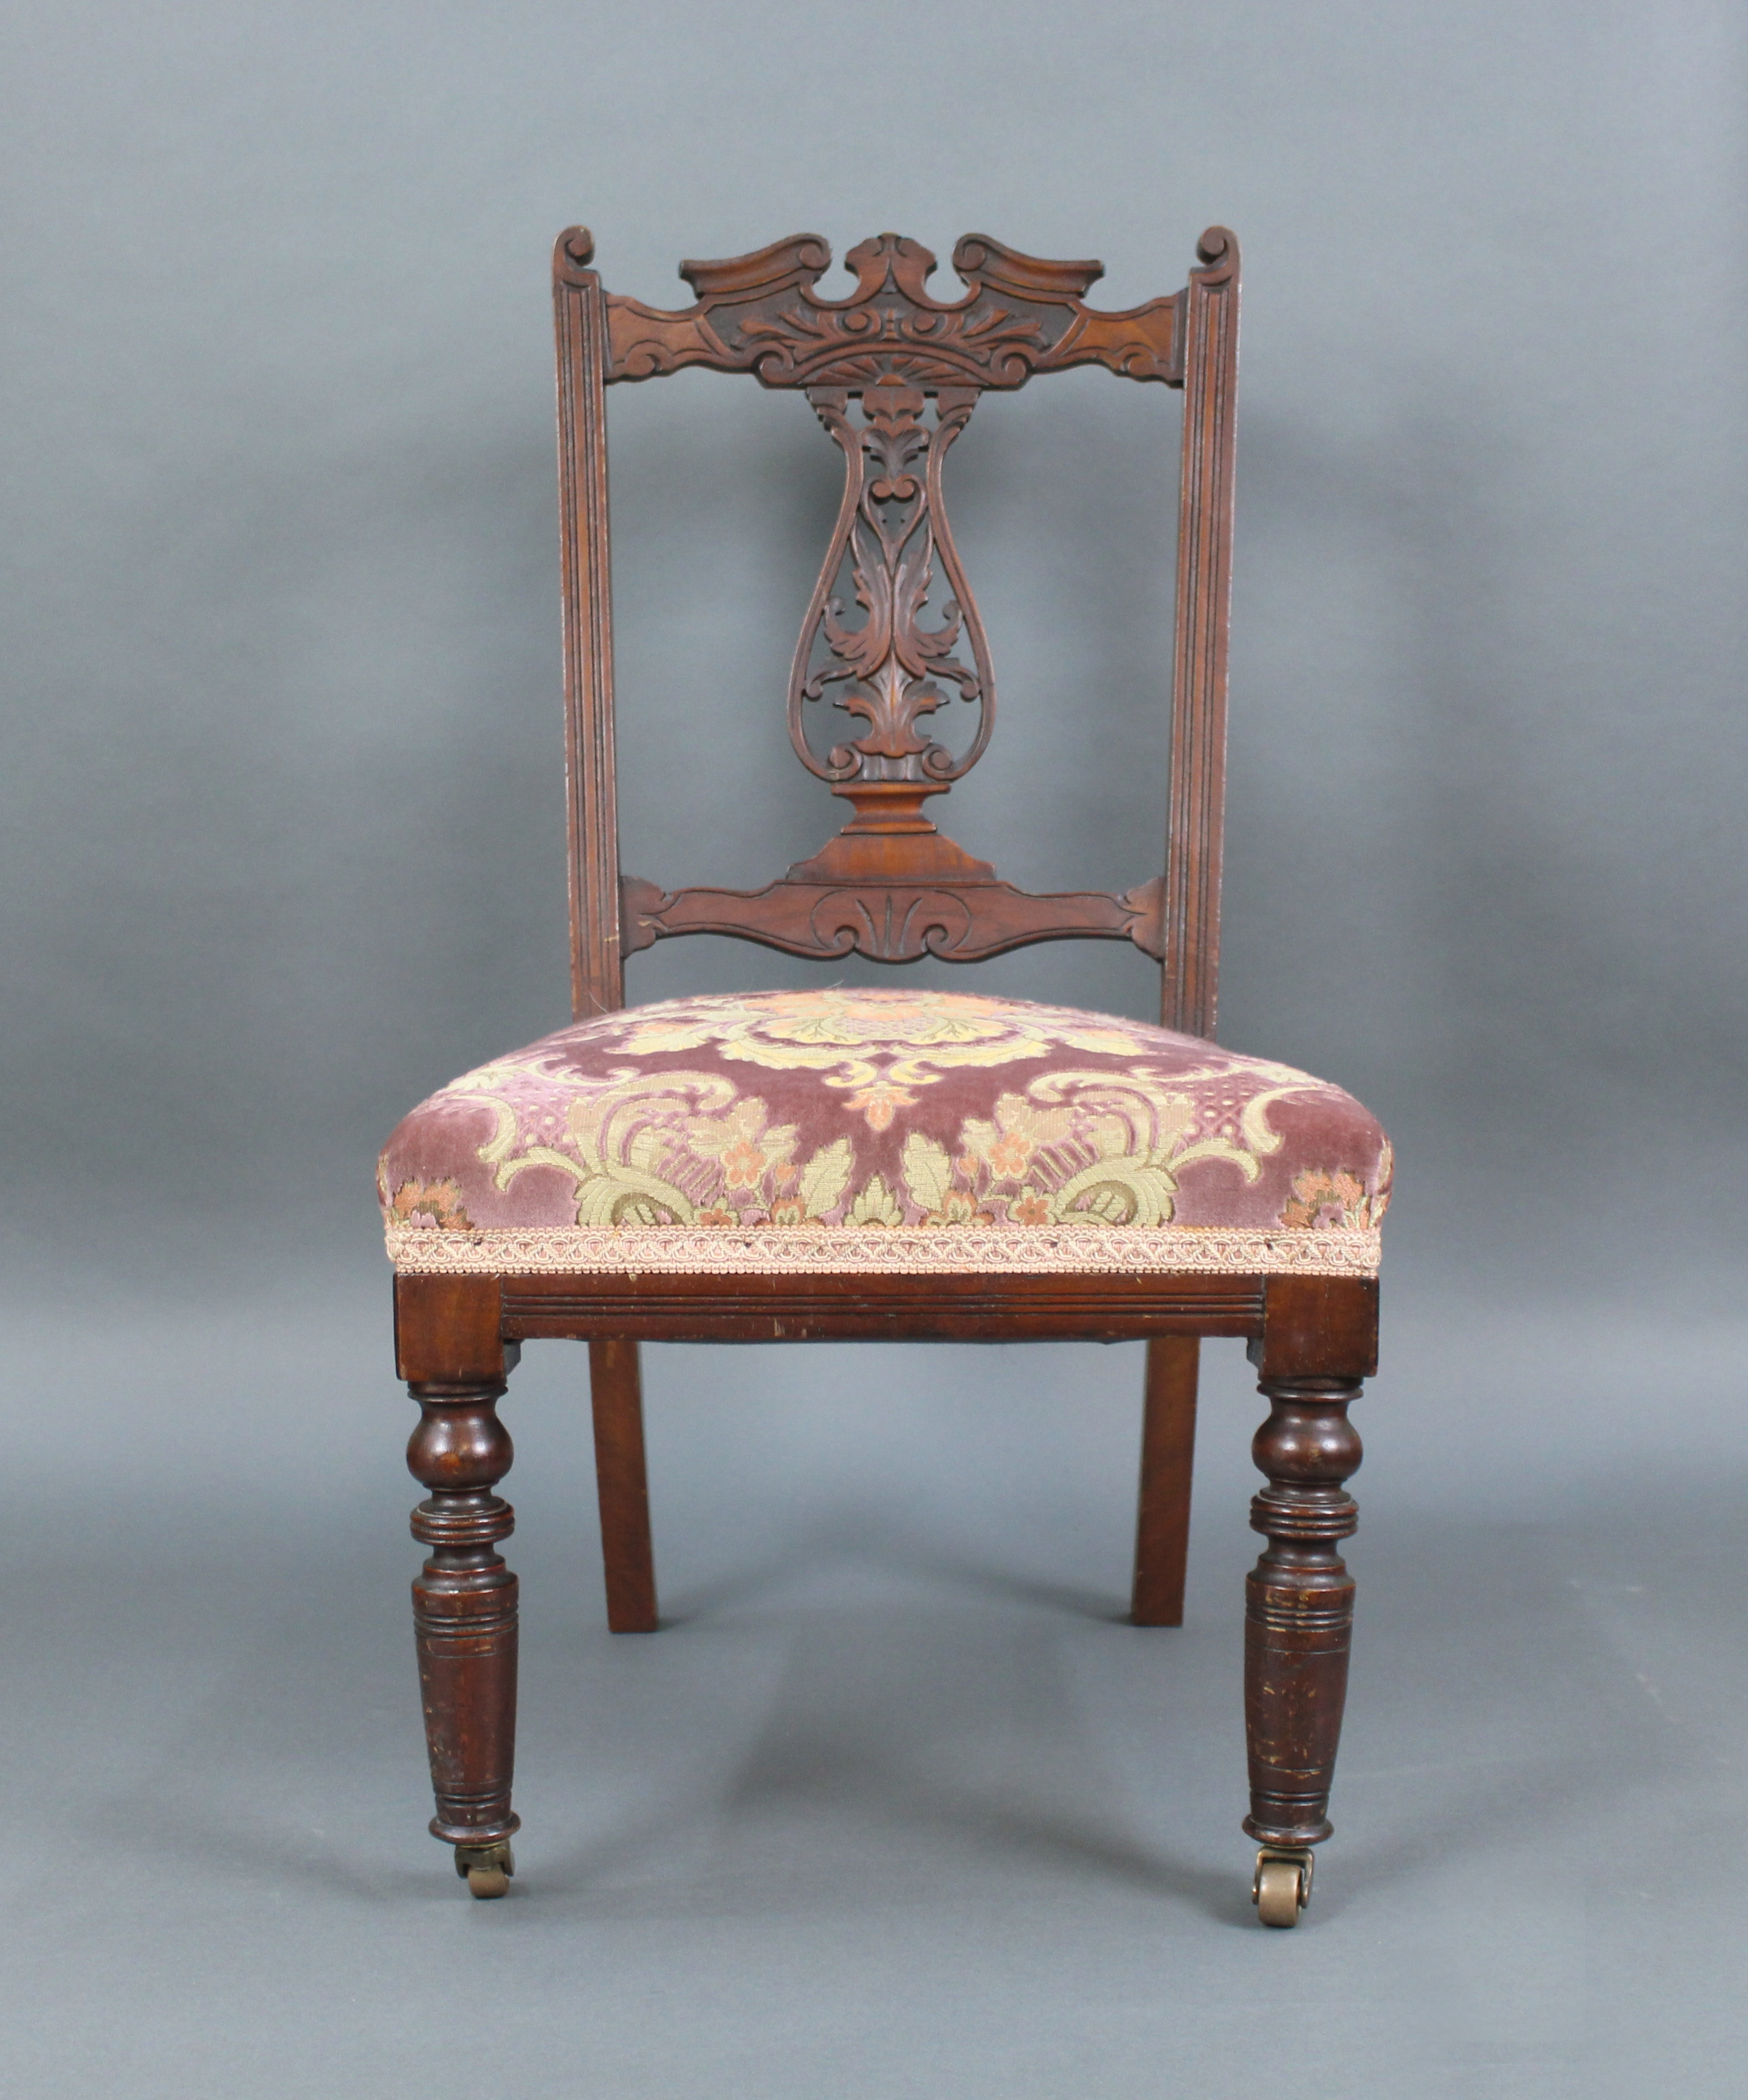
<point x="896" y="1249"/>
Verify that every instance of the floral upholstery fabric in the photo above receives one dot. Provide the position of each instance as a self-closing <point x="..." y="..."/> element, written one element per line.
<point x="851" y="1130"/>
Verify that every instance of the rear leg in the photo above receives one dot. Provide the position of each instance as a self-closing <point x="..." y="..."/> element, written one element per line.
<point x="627" y="1557"/>
<point x="1168" y="1443"/>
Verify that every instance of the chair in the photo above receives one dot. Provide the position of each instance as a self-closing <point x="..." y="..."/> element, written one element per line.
<point x="881" y="1164"/>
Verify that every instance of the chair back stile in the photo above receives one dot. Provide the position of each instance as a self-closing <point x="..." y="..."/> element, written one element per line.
<point x="597" y="969"/>
<point x="890" y="885"/>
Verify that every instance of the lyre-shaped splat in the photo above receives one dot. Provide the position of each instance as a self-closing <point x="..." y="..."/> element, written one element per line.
<point x="892" y="668"/>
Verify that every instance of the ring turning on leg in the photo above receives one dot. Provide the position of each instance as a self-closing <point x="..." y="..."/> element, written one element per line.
<point x="464" y="1616"/>
<point x="1298" y="1625"/>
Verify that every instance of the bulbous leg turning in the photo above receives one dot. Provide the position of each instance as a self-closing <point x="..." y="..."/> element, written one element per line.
<point x="1298" y="1625"/>
<point x="464" y="1617"/>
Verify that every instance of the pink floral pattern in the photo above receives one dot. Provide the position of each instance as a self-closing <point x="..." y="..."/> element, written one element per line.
<point x="843" y="1111"/>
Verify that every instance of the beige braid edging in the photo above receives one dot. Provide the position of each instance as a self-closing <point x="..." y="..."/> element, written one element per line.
<point x="897" y="1249"/>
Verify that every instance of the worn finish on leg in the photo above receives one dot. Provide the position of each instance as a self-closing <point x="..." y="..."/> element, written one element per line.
<point x="622" y="1482"/>
<point x="464" y="1610"/>
<point x="1168" y="1443"/>
<point x="1300" y="1607"/>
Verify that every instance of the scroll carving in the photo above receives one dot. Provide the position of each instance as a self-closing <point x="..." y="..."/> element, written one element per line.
<point x="893" y="921"/>
<point x="1020" y="315"/>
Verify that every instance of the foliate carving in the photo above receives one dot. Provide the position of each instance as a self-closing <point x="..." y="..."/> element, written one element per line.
<point x="897" y="926"/>
<point x="892" y="920"/>
<point x="1021" y="315"/>
<point x="889" y="667"/>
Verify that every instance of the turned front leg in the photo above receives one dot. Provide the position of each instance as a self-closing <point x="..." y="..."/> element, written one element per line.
<point x="1300" y="1614"/>
<point x="464" y="1616"/>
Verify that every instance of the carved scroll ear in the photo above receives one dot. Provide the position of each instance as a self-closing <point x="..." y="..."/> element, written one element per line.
<point x="572" y="254"/>
<point x="980" y="261"/>
<point x="800" y="260"/>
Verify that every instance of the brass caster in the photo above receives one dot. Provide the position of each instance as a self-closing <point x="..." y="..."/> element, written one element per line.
<point x="486" y="1868"/>
<point x="1283" y="1885"/>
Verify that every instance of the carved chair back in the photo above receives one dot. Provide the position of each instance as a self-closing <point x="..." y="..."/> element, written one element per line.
<point x="894" y="375"/>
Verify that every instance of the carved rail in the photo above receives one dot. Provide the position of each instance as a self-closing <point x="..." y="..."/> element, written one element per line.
<point x="1021" y="315"/>
<point x="894" y="922"/>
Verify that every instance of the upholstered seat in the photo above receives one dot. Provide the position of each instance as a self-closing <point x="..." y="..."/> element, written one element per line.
<point x="843" y="1130"/>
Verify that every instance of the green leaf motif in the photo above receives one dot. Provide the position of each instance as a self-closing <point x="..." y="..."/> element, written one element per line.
<point x="825" y="1176"/>
<point x="877" y="1206"/>
<point x="928" y="1171"/>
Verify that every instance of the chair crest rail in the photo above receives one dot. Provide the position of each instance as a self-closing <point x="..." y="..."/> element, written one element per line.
<point x="1021" y="314"/>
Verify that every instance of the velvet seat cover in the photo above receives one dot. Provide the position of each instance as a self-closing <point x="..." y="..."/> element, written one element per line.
<point x="848" y="1130"/>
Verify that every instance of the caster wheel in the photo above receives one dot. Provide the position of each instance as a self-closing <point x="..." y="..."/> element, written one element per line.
<point x="486" y="1870"/>
<point x="1283" y="1887"/>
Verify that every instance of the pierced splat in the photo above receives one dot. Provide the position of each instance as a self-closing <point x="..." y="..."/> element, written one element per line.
<point x="892" y="548"/>
<point x="891" y="635"/>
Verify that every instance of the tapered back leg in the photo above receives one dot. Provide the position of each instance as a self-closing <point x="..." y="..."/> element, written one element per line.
<point x="622" y="1480"/>
<point x="1169" y="1443"/>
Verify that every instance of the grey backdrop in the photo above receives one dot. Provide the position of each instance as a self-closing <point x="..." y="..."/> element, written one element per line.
<point x="283" y="842"/>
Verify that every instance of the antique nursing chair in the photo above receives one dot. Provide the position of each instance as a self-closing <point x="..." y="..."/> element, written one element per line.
<point x="880" y="1164"/>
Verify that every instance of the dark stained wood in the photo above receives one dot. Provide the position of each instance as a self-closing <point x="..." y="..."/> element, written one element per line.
<point x="893" y="671"/>
<point x="1321" y="1325"/>
<point x="1168" y="1446"/>
<point x="1298" y="1607"/>
<point x="894" y="920"/>
<point x="832" y="1308"/>
<point x="464" y="1612"/>
<point x="1021" y="315"/>
<point x="628" y="1562"/>
<point x="448" y="1330"/>
<point x="893" y="374"/>
<point x="1195" y="830"/>
<point x="597" y="966"/>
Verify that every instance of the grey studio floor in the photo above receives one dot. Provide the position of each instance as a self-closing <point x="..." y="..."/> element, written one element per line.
<point x="895" y="1804"/>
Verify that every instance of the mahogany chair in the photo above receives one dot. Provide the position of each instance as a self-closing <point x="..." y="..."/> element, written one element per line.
<point x="879" y="1165"/>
